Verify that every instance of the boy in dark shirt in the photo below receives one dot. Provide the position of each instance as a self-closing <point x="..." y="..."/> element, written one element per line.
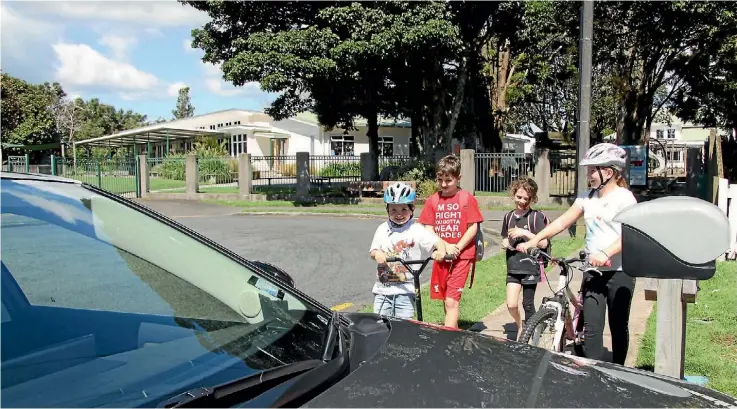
<point x="523" y="272"/>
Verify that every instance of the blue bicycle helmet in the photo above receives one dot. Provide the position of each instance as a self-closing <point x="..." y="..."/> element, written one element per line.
<point x="399" y="193"/>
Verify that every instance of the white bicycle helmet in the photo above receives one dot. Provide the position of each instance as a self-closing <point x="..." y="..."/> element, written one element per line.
<point x="605" y="155"/>
<point x="399" y="193"/>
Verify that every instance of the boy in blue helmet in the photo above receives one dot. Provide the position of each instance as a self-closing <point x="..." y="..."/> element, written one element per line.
<point x="401" y="237"/>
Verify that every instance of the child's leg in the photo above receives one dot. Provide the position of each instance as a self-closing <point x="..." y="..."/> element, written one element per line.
<point x="528" y="300"/>
<point x="454" y="288"/>
<point x="382" y="305"/>
<point x="404" y="306"/>
<point x="513" y="289"/>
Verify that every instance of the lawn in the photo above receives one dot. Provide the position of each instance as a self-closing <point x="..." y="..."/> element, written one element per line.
<point x="489" y="288"/>
<point x="126" y="184"/>
<point x="711" y="332"/>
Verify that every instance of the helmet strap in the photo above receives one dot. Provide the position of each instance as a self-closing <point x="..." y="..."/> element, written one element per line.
<point x="602" y="184"/>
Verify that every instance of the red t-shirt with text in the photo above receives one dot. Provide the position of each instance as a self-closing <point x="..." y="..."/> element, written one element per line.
<point x="451" y="220"/>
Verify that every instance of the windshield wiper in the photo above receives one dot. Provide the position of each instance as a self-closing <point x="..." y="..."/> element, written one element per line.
<point x="333" y="335"/>
<point x="252" y="385"/>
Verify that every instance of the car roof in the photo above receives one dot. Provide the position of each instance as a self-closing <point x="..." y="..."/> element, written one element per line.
<point x="37" y="177"/>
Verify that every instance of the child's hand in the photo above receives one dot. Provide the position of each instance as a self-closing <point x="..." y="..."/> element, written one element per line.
<point x="505" y="244"/>
<point x="516" y="232"/>
<point x="452" y="249"/>
<point x="380" y="257"/>
<point x="438" y="255"/>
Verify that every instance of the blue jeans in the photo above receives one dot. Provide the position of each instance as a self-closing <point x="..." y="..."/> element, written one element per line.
<point x="400" y="306"/>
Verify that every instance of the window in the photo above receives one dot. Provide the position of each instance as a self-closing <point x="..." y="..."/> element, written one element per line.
<point x="237" y="122"/>
<point x="671" y="133"/>
<point x="212" y="127"/>
<point x="342" y="145"/>
<point x="659" y="133"/>
<point x="386" y="145"/>
<point x="239" y="144"/>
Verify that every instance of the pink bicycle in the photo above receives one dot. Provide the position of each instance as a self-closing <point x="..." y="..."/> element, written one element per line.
<point x="555" y="323"/>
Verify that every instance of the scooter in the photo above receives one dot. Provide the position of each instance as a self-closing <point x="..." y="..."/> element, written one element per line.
<point x="416" y="276"/>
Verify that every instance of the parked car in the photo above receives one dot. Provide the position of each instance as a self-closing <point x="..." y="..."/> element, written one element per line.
<point x="106" y="303"/>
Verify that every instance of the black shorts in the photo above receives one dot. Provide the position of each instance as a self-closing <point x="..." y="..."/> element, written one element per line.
<point x="523" y="279"/>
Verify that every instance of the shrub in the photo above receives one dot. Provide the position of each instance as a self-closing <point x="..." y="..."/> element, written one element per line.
<point x="216" y="168"/>
<point x="171" y="167"/>
<point x="341" y="169"/>
<point x="426" y="188"/>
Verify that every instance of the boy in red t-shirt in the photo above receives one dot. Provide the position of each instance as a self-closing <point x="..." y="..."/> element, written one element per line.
<point x="453" y="215"/>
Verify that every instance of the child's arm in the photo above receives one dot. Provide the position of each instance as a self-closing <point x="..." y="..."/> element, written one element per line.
<point x="375" y="249"/>
<point x="473" y="228"/>
<point x="505" y="231"/>
<point x="429" y="240"/>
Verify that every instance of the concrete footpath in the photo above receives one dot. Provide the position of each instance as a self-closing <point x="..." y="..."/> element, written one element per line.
<point x="499" y="322"/>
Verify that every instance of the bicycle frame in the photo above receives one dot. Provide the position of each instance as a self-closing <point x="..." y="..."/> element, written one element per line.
<point x="563" y="295"/>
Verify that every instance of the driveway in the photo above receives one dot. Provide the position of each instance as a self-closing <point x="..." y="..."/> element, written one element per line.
<point x="327" y="256"/>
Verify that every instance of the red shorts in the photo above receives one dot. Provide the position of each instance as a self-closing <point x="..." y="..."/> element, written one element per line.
<point x="449" y="278"/>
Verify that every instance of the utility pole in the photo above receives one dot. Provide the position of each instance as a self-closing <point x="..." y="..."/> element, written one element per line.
<point x="583" y="128"/>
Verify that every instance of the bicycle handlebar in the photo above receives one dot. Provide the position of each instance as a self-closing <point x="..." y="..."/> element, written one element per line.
<point x="447" y="257"/>
<point x="535" y="252"/>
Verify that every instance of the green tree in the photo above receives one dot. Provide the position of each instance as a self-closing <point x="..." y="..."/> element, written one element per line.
<point x="27" y="114"/>
<point x="184" y="107"/>
<point x="334" y="60"/>
<point x="648" y="45"/>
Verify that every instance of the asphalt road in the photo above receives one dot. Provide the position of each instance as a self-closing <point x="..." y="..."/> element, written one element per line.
<point x="326" y="255"/>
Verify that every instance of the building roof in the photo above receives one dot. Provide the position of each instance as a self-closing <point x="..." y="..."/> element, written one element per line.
<point x="152" y="133"/>
<point x="311" y="118"/>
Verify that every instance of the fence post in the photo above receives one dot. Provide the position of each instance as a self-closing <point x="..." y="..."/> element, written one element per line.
<point x="694" y="170"/>
<point x="671" y="328"/>
<point x="468" y="170"/>
<point x="143" y="176"/>
<point x="99" y="173"/>
<point x="365" y="166"/>
<point x="191" y="174"/>
<point x="245" y="175"/>
<point x="303" y="174"/>
<point x="53" y="165"/>
<point x="28" y="164"/>
<point x="542" y="176"/>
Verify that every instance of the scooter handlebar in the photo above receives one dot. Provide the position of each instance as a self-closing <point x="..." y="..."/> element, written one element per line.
<point x="447" y="257"/>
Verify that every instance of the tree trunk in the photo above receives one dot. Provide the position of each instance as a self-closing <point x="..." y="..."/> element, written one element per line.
<point x="458" y="100"/>
<point x="373" y="139"/>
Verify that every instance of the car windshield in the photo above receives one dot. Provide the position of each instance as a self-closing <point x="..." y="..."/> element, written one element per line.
<point x="104" y="305"/>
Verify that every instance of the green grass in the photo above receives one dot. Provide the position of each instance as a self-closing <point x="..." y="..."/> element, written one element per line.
<point x="711" y="332"/>
<point x="126" y="184"/>
<point x="489" y="287"/>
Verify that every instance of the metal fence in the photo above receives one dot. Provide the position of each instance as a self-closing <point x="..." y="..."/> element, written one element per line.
<point x="334" y="169"/>
<point x="166" y="174"/>
<point x="562" y="173"/>
<point x="218" y="175"/>
<point x="119" y="176"/>
<point x="495" y="171"/>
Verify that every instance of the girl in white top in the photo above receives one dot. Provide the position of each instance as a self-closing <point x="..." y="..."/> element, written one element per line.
<point x="612" y="289"/>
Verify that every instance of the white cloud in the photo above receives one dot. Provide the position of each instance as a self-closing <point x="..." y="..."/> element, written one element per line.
<point x="22" y="36"/>
<point x="187" y="45"/>
<point x="150" y="13"/>
<point x="82" y="66"/>
<point x="173" y="90"/>
<point x="119" y="46"/>
<point x="215" y="83"/>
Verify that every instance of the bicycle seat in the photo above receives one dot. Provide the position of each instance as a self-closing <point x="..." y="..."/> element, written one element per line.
<point x="676" y="237"/>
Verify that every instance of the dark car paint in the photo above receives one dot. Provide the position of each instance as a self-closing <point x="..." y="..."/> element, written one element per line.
<point x="422" y="365"/>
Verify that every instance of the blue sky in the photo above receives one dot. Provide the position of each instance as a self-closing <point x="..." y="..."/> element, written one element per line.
<point x="132" y="54"/>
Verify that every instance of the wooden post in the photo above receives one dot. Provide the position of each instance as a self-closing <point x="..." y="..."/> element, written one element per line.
<point x="468" y="170"/>
<point x="542" y="176"/>
<point x="245" y="174"/>
<point x="673" y="297"/>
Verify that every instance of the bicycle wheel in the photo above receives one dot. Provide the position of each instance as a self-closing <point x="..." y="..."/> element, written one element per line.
<point x="540" y="329"/>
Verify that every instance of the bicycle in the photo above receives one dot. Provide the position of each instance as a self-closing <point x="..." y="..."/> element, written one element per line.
<point x="416" y="277"/>
<point x="554" y="316"/>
